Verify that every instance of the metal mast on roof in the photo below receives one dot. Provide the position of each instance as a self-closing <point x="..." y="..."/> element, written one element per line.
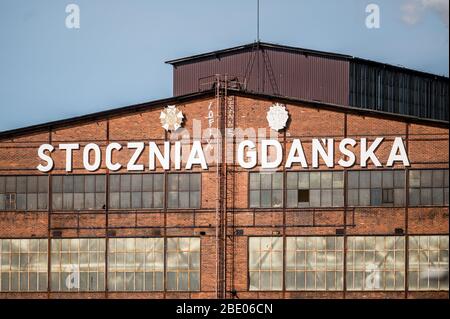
<point x="257" y="21"/>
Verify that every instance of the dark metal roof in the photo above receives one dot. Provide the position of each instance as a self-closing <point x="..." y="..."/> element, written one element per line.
<point x="218" y="53"/>
<point x="210" y="93"/>
<point x="251" y="46"/>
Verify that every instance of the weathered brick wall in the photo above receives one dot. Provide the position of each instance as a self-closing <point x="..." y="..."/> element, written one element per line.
<point x="428" y="147"/>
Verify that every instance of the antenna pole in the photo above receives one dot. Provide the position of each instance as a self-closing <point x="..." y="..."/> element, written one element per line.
<point x="257" y="21"/>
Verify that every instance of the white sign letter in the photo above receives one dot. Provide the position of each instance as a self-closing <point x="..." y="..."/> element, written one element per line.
<point x="265" y="150"/>
<point x="317" y="148"/>
<point x="132" y="166"/>
<point x="69" y="148"/>
<point x="369" y="153"/>
<point x="398" y="147"/>
<point x="194" y="159"/>
<point x="351" y="156"/>
<point x="251" y="154"/>
<point x="97" y="157"/>
<point x="44" y="157"/>
<point x="109" y="149"/>
<point x="164" y="160"/>
<point x="292" y="158"/>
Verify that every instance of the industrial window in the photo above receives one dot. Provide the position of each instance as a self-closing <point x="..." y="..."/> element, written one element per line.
<point x="428" y="187"/>
<point x="266" y="189"/>
<point x="376" y="263"/>
<point x="314" y="263"/>
<point x="23" y="265"/>
<point x="136" y="264"/>
<point x="183" y="264"/>
<point x="315" y="189"/>
<point x="428" y="263"/>
<point x="136" y="191"/>
<point x="78" y="192"/>
<point x="78" y="264"/>
<point x="184" y="190"/>
<point x="24" y="193"/>
<point x="376" y="188"/>
<point x="266" y="263"/>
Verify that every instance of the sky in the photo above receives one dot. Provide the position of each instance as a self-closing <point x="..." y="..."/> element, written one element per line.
<point x="116" y="57"/>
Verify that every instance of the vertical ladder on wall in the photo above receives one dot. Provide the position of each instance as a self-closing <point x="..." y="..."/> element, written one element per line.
<point x="229" y="230"/>
<point x="225" y="188"/>
<point x="220" y="187"/>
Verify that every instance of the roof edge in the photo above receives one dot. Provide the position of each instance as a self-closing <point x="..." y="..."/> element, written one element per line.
<point x="344" y="108"/>
<point x="251" y="45"/>
<point x="208" y="93"/>
<point x="175" y="62"/>
<point x="102" y="114"/>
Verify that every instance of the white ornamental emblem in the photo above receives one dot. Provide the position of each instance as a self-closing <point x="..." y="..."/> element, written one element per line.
<point x="171" y="118"/>
<point x="277" y="117"/>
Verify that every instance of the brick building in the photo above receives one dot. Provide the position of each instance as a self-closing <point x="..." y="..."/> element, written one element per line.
<point x="82" y="217"/>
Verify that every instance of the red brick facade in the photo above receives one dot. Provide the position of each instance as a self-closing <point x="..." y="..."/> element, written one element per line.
<point x="427" y="145"/>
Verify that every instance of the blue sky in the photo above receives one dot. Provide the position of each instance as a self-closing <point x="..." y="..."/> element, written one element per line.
<point x="116" y="58"/>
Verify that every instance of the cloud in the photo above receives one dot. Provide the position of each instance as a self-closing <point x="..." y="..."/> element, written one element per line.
<point x="413" y="10"/>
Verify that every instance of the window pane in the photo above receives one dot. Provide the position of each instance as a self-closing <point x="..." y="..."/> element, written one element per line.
<point x="172" y="199"/>
<point x="438" y="178"/>
<point x="426" y="178"/>
<point x="125" y="183"/>
<point x="125" y="200"/>
<point x="353" y="179"/>
<point x="374" y="263"/>
<point x="20" y="262"/>
<point x="254" y="199"/>
<point x="78" y="183"/>
<point x="428" y="262"/>
<point x="21" y="186"/>
<point x="326" y="179"/>
<point x="314" y="179"/>
<point x="100" y="181"/>
<point x="277" y="198"/>
<point x="303" y="180"/>
<point x="173" y="182"/>
<point x="158" y="182"/>
<point x="147" y="182"/>
<point x="291" y="180"/>
<point x="136" y="199"/>
<point x="388" y="179"/>
<point x="326" y="200"/>
<point x="399" y="179"/>
<point x="265" y="263"/>
<point x="338" y="180"/>
<point x="277" y="182"/>
<point x="438" y="196"/>
<point x="57" y="184"/>
<point x="68" y="184"/>
<point x="183" y="182"/>
<point x="32" y="202"/>
<point x="414" y="178"/>
<point x="194" y="199"/>
<point x="266" y="196"/>
<point x="195" y="182"/>
<point x="254" y="180"/>
<point x="32" y="184"/>
<point x="2" y="184"/>
<point x="314" y="198"/>
<point x="114" y="183"/>
<point x="375" y="179"/>
<point x="266" y="181"/>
